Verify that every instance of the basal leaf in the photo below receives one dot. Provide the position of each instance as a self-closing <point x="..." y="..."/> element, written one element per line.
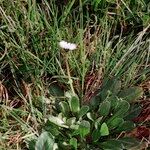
<point x="95" y="101"/>
<point x="74" y="104"/>
<point x="74" y="127"/>
<point x="55" y="90"/>
<point x="83" y="111"/>
<point x="84" y="128"/>
<point x="96" y="135"/>
<point x="122" y="108"/>
<point x="57" y="121"/>
<point x="112" y="87"/>
<point x="113" y="101"/>
<point x="64" y="107"/>
<point x="45" y="141"/>
<point x="120" y="144"/>
<point x="73" y="142"/>
<point x="104" y="108"/>
<point x="97" y="122"/>
<point x="71" y="121"/>
<point x="104" y="131"/>
<point x="90" y="116"/>
<point x="134" y="111"/>
<point x="126" y="126"/>
<point x="131" y="94"/>
<point x="115" y="123"/>
<point x="52" y="128"/>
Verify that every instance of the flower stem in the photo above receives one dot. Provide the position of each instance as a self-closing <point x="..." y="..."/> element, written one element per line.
<point x="69" y="76"/>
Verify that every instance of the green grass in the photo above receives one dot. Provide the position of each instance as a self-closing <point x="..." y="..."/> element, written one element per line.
<point x="31" y="59"/>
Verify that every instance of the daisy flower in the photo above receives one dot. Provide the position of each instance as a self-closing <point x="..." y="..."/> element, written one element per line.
<point x="66" y="45"/>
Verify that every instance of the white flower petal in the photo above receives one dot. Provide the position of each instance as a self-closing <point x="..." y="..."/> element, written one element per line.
<point x="72" y="46"/>
<point x="65" y="45"/>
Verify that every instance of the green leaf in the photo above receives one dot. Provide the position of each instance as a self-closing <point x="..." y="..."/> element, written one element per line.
<point x="52" y="128"/>
<point x="104" y="108"/>
<point x="55" y="90"/>
<point x="126" y="126"/>
<point x="112" y="87"/>
<point x="73" y="142"/>
<point x="44" y="142"/>
<point x="111" y="145"/>
<point x="120" y="144"/>
<point x="114" y="101"/>
<point x="97" y="122"/>
<point x="104" y="131"/>
<point x="131" y="94"/>
<point x="64" y="107"/>
<point x="71" y="121"/>
<point x="122" y="108"/>
<point x="95" y="101"/>
<point x="134" y="111"/>
<point x="69" y="94"/>
<point x="84" y="128"/>
<point x="57" y="121"/>
<point x="115" y="123"/>
<point x="90" y="116"/>
<point x="96" y="135"/>
<point x="74" y="104"/>
<point x="74" y="126"/>
<point x="83" y="111"/>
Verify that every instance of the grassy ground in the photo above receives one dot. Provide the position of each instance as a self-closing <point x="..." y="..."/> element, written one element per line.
<point x="112" y="40"/>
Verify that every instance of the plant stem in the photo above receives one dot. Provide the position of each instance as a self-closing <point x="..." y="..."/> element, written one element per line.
<point x="69" y="76"/>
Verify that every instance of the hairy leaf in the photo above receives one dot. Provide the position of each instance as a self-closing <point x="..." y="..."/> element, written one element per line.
<point x="83" y="111"/>
<point x="126" y="126"/>
<point x="45" y="141"/>
<point x="84" y="128"/>
<point x="131" y="94"/>
<point x="74" y="104"/>
<point x="115" y="123"/>
<point x="104" y="108"/>
<point x="57" y="121"/>
<point x="104" y="131"/>
<point x="73" y="142"/>
<point x="120" y="144"/>
<point x="64" y="108"/>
